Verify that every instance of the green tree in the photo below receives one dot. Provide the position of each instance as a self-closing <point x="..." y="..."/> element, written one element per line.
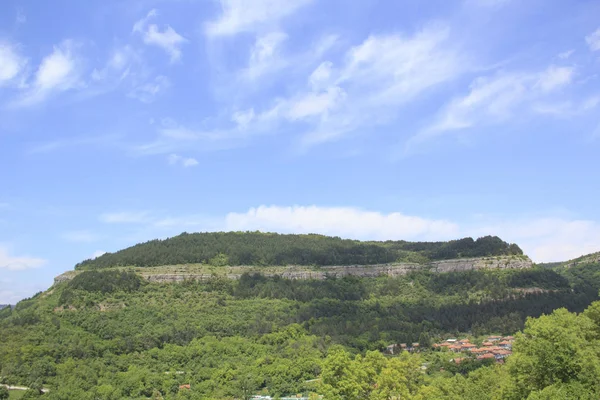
<point x="4" y="393"/>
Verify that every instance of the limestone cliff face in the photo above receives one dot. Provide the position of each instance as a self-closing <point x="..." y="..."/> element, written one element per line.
<point x="467" y="264"/>
<point x="302" y="272"/>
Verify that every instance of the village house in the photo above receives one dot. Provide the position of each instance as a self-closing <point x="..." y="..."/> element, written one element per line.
<point x="494" y="347"/>
<point x="393" y="349"/>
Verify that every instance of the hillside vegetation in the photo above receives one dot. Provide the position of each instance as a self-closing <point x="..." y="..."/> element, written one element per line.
<point x="109" y="334"/>
<point x="256" y="248"/>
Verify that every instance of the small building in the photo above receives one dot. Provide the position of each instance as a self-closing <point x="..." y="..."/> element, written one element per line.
<point x="392" y="349"/>
<point x="413" y="347"/>
<point x="188" y="386"/>
<point x="486" y="356"/>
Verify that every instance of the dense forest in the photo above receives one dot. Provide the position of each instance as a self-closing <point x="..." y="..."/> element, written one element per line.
<point x="256" y="248"/>
<point x="108" y="334"/>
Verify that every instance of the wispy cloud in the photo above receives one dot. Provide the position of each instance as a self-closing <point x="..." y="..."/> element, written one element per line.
<point x="58" y="72"/>
<point x="374" y="80"/>
<point x="80" y="236"/>
<point x="175" y="159"/>
<point x="111" y="140"/>
<point x="493" y="99"/>
<point x="245" y="16"/>
<point x="21" y="17"/>
<point x="566" y="54"/>
<point x="147" y="92"/>
<point x="125" y="217"/>
<point x="12" y="63"/>
<point x="593" y="40"/>
<point x="554" y="77"/>
<point x="264" y="57"/>
<point x="168" y="39"/>
<point x="17" y="263"/>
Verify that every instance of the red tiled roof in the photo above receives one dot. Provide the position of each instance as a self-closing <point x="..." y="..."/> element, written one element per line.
<point x="184" y="386"/>
<point x="484" y="356"/>
<point x="488" y="343"/>
<point x="479" y="350"/>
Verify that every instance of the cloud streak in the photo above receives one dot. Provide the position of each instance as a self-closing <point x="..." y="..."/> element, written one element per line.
<point x="12" y="63"/>
<point x="244" y="16"/>
<point x="18" y="263"/>
<point x="493" y="99"/>
<point x="58" y="72"/>
<point x="167" y="39"/>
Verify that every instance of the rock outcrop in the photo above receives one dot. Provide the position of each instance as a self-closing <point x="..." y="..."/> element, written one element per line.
<point x="303" y="272"/>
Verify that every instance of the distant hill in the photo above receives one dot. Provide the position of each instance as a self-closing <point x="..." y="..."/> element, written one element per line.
<point x="2" y="306"/>
<point x="258" y="249"/>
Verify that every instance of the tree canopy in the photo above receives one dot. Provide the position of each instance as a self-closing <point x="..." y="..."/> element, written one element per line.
<point x="256" y="248"/>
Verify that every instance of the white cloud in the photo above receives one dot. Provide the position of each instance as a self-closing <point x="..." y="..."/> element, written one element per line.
<point x="315" y="104"/>
<point x="21" y="17"/>
<point x="264" y="56"/>
<point x="58" y="72"/>
<point x="376" y="78"/>
<point x="248" y="16"/>
<point x="593" y="40"/>
<point x="168" y="39"/>
<point x="321" y="77"/>
<point x="340" y="221"/>
<point x="125" y="217"/>
<point x="147" y="92"/>
<point x="80" y="236"/>
<point x="18" y="263"/>
<point x="554" y="77"/>
<point x="175" y="159"/>
<point x="548" y="239"/>
<point x="12" y="64"/>
<point x="97" y="254"/>
<point x="118" y="66"/>
<point x="566" y="108"/>
<point x="566" y="54"/>
<point x="494" y="99"/>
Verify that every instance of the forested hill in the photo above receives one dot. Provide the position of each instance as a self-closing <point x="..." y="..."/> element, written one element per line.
<point x="257" y="248"/>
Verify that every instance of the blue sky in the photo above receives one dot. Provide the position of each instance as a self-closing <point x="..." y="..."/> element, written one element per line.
<point x="121" y="122"/>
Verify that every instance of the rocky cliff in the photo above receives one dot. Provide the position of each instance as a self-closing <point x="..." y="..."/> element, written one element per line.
<point x="181" y="273"/>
